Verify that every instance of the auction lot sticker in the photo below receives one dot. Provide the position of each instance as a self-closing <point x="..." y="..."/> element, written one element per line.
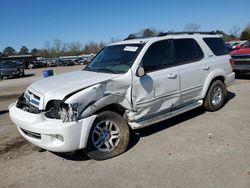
<point x="130" y="48"/>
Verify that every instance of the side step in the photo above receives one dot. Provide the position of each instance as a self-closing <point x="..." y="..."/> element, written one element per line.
<point x="161" y="117"/>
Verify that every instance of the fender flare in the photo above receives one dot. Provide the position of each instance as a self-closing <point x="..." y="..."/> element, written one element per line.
<point x="210" y="77"/>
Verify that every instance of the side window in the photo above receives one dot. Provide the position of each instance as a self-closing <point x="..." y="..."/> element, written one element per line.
<point x="217" y="46"/>
<point x="158" y="55"/>
<point x="186" y="51"/>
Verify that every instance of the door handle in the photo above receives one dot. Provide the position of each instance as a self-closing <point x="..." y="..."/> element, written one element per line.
<point x="172" y="75"/>
<point x="205" y="67"/>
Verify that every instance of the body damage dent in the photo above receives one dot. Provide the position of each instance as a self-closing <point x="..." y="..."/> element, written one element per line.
<point x="93" y="98"/>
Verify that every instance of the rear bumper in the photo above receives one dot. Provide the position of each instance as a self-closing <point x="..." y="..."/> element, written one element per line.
<point x="50" y="134"/>
<point x="230" y="79"/>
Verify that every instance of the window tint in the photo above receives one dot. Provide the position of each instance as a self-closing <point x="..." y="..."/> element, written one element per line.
<point x="158" y="55"/>
<point x="217" y="46"/>
<point x="186" y="50"/>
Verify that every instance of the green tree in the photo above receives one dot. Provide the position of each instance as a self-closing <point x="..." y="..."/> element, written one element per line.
<point x="9" y="51"/>
<point x="149" y="32"/>
<point x="245" y="35"/>
<point x="24" y="50"/>
<point x="192" y="27"/>
<point x="34" y="51"/>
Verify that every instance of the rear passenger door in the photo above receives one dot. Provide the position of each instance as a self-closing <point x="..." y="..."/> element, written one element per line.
<point x="192" y="69"/>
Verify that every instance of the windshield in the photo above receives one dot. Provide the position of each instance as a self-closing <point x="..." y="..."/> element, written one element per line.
<point x="247" y="45"/>
<point x="115" y="59"/>
<point x="8" y="63"/>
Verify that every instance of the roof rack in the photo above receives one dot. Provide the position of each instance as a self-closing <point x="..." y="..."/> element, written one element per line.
<point x="187" y="32"/>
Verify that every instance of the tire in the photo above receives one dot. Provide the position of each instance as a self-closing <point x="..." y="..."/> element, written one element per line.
<point x="215" y="97"/>
<point x="100" y="145"/>
<point x="22" y="74"/>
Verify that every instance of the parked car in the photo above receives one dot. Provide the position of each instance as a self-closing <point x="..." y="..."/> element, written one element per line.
<point x="83" y="61"/>
<point x="51" y="63"/>
<point x="36" y="64"/>
<point x="241" y="59"/>
<point x="128" y="85"/>
<point x="67" y="62"/>
<point x="10" y="68"/>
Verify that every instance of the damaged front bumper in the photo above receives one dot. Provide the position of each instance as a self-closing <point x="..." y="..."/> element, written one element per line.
<point x="51" y="134"/>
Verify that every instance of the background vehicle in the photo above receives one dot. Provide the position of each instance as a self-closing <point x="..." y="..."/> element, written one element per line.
<point x="241" y="59"/>
<point x="10" y="68"/>
<point x="36" y="64"/>
<point x="67" y="62"/>
<point x="51" y="63"/>
<point x="129" y="84"/>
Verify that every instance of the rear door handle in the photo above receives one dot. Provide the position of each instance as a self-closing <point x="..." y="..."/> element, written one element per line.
<point x="172" y="75"/>
<point x="205" y="67"/>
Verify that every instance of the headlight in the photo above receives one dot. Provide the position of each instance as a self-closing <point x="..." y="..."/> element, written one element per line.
<point x="68" y="112"/>
<point x="58" y="110"/>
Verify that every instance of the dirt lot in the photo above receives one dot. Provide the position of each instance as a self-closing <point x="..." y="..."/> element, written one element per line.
<point x="196" y="149"/>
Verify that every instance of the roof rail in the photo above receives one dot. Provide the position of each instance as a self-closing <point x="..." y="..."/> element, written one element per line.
<point x="187" y="32"/>
<point x="135" y="37"/>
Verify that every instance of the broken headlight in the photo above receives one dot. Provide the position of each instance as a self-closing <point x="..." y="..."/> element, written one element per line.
<point x="59" y="110"/>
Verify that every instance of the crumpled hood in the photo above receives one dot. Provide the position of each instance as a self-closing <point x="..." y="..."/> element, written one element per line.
<point x="57" y="87"/>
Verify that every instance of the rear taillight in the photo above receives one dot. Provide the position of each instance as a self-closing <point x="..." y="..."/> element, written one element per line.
<point x="231" y="62"/>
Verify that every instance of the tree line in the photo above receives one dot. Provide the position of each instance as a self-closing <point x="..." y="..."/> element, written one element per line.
<point x="60" y="48"/>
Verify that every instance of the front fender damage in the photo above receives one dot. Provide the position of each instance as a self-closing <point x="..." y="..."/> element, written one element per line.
<point x="115" y="91"/>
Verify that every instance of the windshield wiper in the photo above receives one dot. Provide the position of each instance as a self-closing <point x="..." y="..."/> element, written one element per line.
<point x="106" y="69"/>
<point x="101" y="69"/>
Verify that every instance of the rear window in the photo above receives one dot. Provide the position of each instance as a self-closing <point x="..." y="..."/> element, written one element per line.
<point x="217" y="46"/>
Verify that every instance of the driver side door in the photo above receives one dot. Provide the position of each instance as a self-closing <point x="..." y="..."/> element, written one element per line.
<point x="158" y="91"/>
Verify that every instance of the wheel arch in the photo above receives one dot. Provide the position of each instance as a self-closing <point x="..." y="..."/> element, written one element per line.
<point x="217" y="75"/>
<point x="114" y="103"/>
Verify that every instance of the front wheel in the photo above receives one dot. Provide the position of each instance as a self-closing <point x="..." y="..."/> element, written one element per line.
<point x="215" y="96"/>
<point x="109" y="136"/>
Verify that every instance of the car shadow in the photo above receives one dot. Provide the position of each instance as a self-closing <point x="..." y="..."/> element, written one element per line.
<point x="78" y="155"/>
<point x="16" y="77"/>
<point x="230" y="95"/>
<point x="135" y="135"/>
<point x="3" y="112"/>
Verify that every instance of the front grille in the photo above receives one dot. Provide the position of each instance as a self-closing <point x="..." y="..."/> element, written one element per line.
<point x="25" y="104"/>
<point x="31" y="134"/>
<point x="243" y="56"/>
<point x="241" y="59"/>
<point x="32" y="98"/>
<point x="242" y="62"/>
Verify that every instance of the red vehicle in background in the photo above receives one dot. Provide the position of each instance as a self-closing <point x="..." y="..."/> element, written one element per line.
<point x="241" y="59"/>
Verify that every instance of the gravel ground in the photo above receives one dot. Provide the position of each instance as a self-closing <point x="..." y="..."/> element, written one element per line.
<point x="195" y="149"/>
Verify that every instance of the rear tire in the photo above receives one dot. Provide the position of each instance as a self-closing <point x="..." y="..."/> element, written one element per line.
<point x="109" y="136"/>
<point x="215" y="97"/>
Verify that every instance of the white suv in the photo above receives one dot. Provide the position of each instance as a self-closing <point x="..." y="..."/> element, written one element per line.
<point x="129" y="84"/>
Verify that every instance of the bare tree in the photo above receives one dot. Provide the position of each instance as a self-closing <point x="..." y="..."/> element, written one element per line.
<point x="192" y="27"/>
<point x="47" y="46"/>
<point x="75" y="48"/>
<point x="235" y="30"/>
<point x="58" y="45"/>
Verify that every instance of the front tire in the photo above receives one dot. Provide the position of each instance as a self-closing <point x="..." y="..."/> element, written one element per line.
<point x="109" y="136"/>
<point x="215" y="96"/>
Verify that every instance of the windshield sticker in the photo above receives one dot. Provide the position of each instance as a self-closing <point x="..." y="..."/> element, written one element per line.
<point x="130" y="48"/>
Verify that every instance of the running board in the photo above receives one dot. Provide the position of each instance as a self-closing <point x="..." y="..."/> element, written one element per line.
<point x="162" y="117"/>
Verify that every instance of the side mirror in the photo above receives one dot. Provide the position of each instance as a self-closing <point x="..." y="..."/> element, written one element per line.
<point x="140" y="72"/>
